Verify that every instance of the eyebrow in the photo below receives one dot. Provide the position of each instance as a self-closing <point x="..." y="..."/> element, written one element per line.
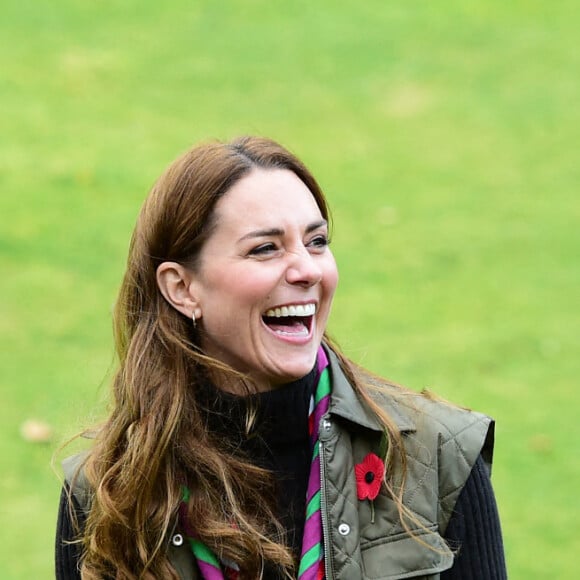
<point x="276" y="232"/>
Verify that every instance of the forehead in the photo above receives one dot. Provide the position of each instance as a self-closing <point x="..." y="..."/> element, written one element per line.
<point x="267" y="197"/>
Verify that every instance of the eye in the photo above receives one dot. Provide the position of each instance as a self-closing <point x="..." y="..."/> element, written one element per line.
<point x="318" y="242"/>
<point x="263" y="249"/>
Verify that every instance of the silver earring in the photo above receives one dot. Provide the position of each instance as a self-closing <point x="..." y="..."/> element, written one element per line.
<point x="193" y="319"/>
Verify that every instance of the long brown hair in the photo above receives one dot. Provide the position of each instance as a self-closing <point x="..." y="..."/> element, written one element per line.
<point x="156" y="439"/>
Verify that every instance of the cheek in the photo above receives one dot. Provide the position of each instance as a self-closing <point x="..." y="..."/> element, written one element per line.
<point x="251" y="290"/>
<point x="330" y="277"/>
<point x="239" y="289"/>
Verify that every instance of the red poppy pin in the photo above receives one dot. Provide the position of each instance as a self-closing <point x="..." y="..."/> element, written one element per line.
<point x="369" y="475"/>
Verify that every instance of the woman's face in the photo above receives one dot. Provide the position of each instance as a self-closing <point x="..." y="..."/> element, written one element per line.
<point x="266" y="278"/>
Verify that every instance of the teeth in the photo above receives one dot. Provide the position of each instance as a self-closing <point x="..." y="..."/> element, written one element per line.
<point x="293" y="310"/>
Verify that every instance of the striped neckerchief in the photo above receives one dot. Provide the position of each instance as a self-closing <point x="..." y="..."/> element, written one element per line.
<point x="312" y="559"/>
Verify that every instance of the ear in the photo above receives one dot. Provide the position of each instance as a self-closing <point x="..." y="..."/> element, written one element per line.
<point x="175" y="282"/>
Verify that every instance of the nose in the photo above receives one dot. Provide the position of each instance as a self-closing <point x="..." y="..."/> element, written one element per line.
<point x="304" y="269"/>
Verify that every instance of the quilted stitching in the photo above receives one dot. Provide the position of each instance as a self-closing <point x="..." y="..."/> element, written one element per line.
<point x="442" y="442"/>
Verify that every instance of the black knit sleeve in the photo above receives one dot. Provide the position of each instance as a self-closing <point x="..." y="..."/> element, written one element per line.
<point x="67" y="555"/>
<point x="474" y="531"/>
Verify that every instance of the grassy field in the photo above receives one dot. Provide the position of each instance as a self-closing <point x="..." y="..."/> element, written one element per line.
<point x="446" y="135"/>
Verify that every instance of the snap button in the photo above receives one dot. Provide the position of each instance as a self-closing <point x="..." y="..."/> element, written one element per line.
<point x="177" y="540"/>
<point x="344" y="529"/>
<point x="326" y="424"/>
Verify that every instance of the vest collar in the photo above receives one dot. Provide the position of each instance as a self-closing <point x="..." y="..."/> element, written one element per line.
<point x="345" y="403"/>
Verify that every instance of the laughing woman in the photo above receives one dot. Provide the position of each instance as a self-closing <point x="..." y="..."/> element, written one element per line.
<point x="241" y="442"/>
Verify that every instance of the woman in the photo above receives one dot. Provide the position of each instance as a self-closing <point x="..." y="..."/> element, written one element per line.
<point x="241" y="443"/>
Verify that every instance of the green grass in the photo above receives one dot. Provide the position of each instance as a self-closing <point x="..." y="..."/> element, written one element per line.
<point x="446" y="136"/>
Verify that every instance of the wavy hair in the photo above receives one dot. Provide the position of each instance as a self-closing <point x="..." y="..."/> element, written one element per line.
<point x="155" y="439"/>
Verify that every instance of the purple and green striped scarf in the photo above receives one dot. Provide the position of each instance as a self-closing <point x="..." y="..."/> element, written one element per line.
<point x="312" y="559"/>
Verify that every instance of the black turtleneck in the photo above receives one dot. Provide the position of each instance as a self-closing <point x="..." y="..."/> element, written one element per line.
<point x="280" y="441"/>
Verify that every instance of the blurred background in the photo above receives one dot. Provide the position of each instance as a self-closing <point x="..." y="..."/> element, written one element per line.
<point x="446" y="136"/>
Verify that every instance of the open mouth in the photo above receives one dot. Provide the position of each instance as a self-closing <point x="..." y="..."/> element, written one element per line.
<point x="292" y="320"/>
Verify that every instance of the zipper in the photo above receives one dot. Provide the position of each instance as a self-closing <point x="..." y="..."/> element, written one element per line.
<point x="328" y="569"/>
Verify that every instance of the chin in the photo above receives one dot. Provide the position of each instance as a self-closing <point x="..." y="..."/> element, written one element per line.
<point x="296" y="371"/>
